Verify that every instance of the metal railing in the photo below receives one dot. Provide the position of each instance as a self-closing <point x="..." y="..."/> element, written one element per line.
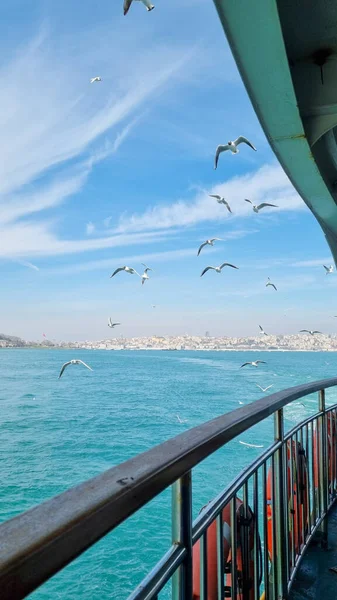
<point x="277" y="504"/>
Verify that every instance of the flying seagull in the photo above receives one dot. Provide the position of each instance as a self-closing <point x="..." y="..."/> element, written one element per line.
<point x="220" y="200"/>
<point x="309" y="331"/>
<point x="218" y="269"/>
<point x="127" y="4"/>
<point x="271" y="284"/>
<point x="258" y="207"/>
<point x="111" y="324"/>
<point x="73" y="362"/>
<point x="145" y="275"/>
<point x="181" y="420"/>
<point x="262" y="331"/>
<point x="233" y="147"/>
<point x="250" y="445"/>
<point x="93" y="79"/>
<point x="254" y="363"/>
<point x="328" y="269"/>
<point x="126" y="269"/>
<point x="208" y="243"/>
<point x="264" y="389"/>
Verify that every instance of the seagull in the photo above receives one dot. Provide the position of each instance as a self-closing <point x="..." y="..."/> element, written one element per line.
<point x="271" y="284"/>
<point x="127" y="4"/>
<point x="73" y="362"/>
<point x="181" y="420"/>
<point x="264" y="389"/>
<point x="328" y="269"/>
<point x="309" y="331"/>
<point x="111" y="324"/>
<point x="262" y="331"/>
<point x="254" y="363"/>
<point x="220" y="200"/>
<point x="126" y="269"/>
<point x="250" y="445"/>
<point x="208" y="243"/>
<point x="233" y="147"/>
<point x="218" y="269"/>
<point x="258" y="207"/>
<point x="93" y="79"/>
<point x="145" y="275"/>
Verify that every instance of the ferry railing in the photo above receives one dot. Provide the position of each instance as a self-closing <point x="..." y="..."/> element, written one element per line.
<point x="280" y="512"/>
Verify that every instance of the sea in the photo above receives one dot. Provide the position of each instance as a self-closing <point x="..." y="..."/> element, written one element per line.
<point x="56" y="433"/>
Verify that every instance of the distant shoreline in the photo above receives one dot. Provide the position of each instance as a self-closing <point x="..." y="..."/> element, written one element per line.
<point x="47" y="347"/>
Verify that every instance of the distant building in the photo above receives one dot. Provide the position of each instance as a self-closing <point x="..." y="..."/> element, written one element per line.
<point x="207" y="334"/>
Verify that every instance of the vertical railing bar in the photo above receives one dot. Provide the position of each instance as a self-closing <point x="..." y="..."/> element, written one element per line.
<point x="273" y="506"/>
<point x="329" y="443"/>
<point x="334" y="452"/>
<point x="298" y="495"/>
<point x="203" y="566"/>
<point x="323" y="467"/>
<point x="286" y="512"/>
<point x="245" y="550"/>
<point x="309" y="479"/>
<point x="265" y="532"/>
<point x="280" y="503"/>
<point x="319" y="467"/>
<point x="234" y="544"/>
<point x="182" y="585"/>
<point x="256" y="536"/>
<point x="291" y="501"/>
<point x="220" y="555"/>
<point x="314" y="470"/>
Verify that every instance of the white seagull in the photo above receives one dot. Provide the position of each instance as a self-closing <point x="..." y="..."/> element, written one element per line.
<point x="258" y="207"/>
<point x="233" y="147"/>
<point x="73" y="362"/>
<point x="145" y="275"/>
<point x="254" y="363"/>
<point x="271" y="284"/>
<point x="221" y="200"/>
<point x="311" y="332"/>
<point x="264" y="389"/>
<point x="208" y="243"/>
<point x="127" y="4"/>
<point x="262" y="331"/>
<point x="181" y="420"/>
<point x="126" y="269"/>
<point x="218" y="269"/>
<point x="93" y="79"/>
<point x="328" y="269"/>
<point x="250" y="445"/>
<point x="111" y="324"/>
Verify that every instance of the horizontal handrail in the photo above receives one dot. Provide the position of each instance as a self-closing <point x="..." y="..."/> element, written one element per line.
<point x="37" y="544"/>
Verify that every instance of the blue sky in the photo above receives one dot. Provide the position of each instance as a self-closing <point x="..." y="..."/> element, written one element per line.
<point x="93" y="177"/>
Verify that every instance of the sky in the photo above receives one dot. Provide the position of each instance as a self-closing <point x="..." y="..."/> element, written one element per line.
<point x="98" y="176"/>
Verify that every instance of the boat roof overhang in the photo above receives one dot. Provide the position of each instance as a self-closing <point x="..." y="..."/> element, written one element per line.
<point x="286" y="52"/>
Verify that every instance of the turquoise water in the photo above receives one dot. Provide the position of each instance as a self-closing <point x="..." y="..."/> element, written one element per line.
<point x="58" y="433"/>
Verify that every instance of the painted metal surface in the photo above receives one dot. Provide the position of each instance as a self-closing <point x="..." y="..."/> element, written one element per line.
<point x="255" y="35"/>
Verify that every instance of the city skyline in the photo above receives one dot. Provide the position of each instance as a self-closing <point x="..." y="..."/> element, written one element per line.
<point x="95" y="176"/>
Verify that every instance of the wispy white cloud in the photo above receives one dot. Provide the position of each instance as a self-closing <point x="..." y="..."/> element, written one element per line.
<point x="60" y="125"/>
<point x="38" y="239"/>
<point x="150" y="257"/>
<point x="90" y="228"/>
<point x="284" y="285"/>
<point x="26" y="263"/>
<point x="317" y="262"/>
<point x="269" y="183"/>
